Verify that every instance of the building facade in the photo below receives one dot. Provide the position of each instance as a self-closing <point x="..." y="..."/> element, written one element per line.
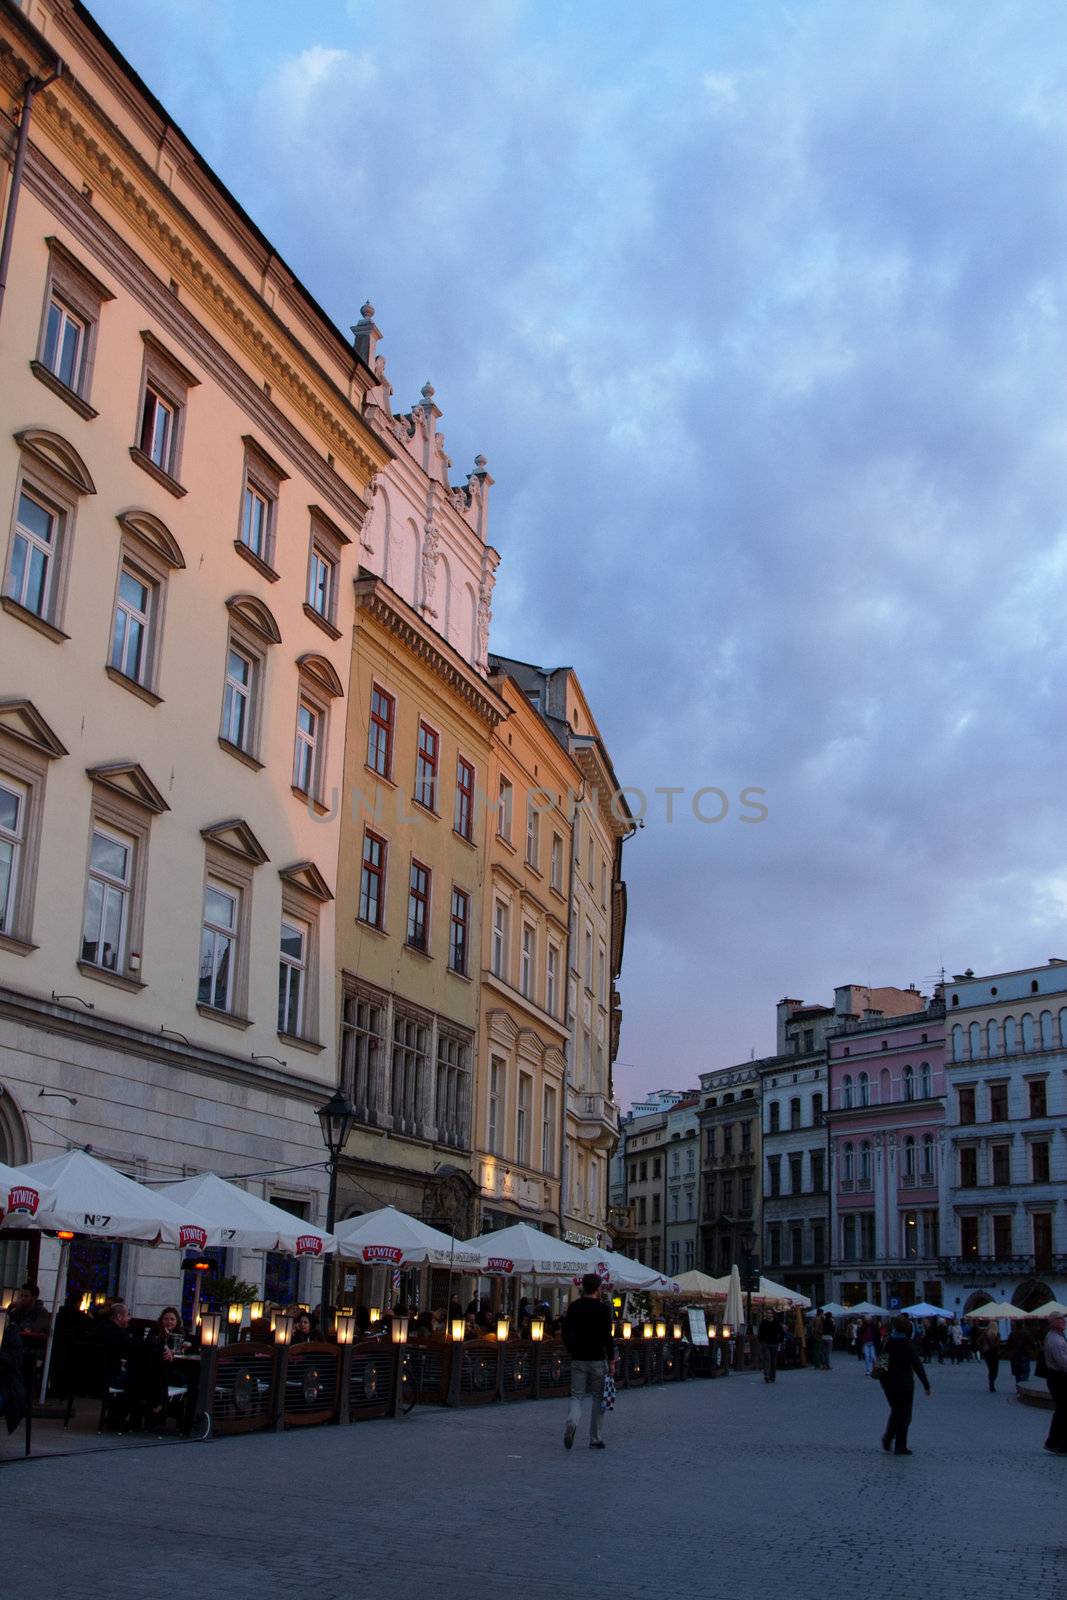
<point x="186" y="469"/>
<point x="1004" y="1203"/>
<point x="644" y="1150"/>
<point x="887" y="1144"/>
<point x="681" y="1183"/>
<point x="729" y="1120"/>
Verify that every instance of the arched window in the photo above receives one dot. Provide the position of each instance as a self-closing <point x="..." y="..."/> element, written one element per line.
<point x="957" y="1042"/>
<point x="909" y="1085"/>
<point x="846" y="1093"/>
<point x="848" y="1163"/>
<point x="1063" y="1025"/>
<point x="1046" y="1030"/>
<point x="865" y="1161"/>
<point x="884" y="1090"/>
<point x="1009" y="1036"/>
<point x="909" y="1156"/>
<point x="926" y="1081"/>
<point x="865" y="1089"/>
<point x="992" y="1040"/>
<point x="1029" y="1032"/>
<point x="974" y="1033"/>
<point x="928" y="1157"/>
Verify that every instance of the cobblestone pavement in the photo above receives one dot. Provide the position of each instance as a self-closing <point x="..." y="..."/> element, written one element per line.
<point x="704" y="1488"/>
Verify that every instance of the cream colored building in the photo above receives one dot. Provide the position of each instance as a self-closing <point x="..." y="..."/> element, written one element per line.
<point x="185" y="471"/>
<point x="596" y="896"/>
<point x="520" y="1099"/>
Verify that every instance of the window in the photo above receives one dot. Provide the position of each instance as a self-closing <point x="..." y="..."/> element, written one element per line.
<point x="865" y="1164"/>
<point x="31" y="573"/>
<point x="533" y="832"/>
<point x="503" y="814"/>
<point x="1041" y="1224"/>
<point x="928" y="1158"/>
<point x="846" y="1091"/>
<point x="926" y="1081"/>
<point x="909" y="1157"/>
<point x="292" y="977"/>
<point x="848" y="1238"/>
<point x="1038" y="1099"/>
<point x="1002" y="1163"/>
<point x="252" y="631"/>
<point x="218" y="946"/>
<point x="307" y="754"/>
<point x="237" y="703"/>
<point x="260" y="492"/>
<point x="73" y="305"/>
<point x="556" y="868"/>
<point x="728" y="1196"/>
<point x="817" y="1158"/>
<point x="408" y="1100"/>
<point x="965" y="1097"/>
<point x="552" y="980"/>
<point x="773" y="1117"/>
<point x="774" y="1175"/>
<point x="848" y="1165"/>
<point x="602" y="970"/>
<point x="864" y="1090"/>
<point x="816" y="1110"/>
<point x="1002" y="1240"/>
<point x="866" y="1235"/>
<point x="13" y="817"/>
<point x="27" y="745"/>
<point x="372" y="880"/>
<point x="774" y="1243"/>
<point x="325" y="548"/>
<point x="909" y="1083"/>
<point x="968" y="1236"/>
<point x="522" y="1120"/>
<point x="501" y="918"/>
<point x="452" y="1091"/>
<point x="998" y="1102"/>
<point x="459" y="931"/>
<point x="463" y="820"/>
<point x="495" y="1126"/>
<point x="363" y="1052"/>
<point x="105" y="926"/>
<point x="656" y="1208"/>
<point x="968" y="1167"/>
<point x="528" y="961"/>
<point x="587" y="968"/>
<point x="796" y="1168"/>
<point x="746" y="1137"/>
<point x="418" y="931"/>
<point x="657" y="1169"/>
<point x="380" y="733"/>
<point x="818" y="1243"/>
<point x="809" y="1040"/>
<point x="426" y="767"/>
<point x="1039" y="1161"/>
<point x="165" y="386"/>
<point x="51" y="478"/>
<point x="796" y="1245"/>
<point x="909" y="1235"/>
<point x="794" y="1113"/>
<point x="728" y="1139"/>
<point x="675" y="1252"/>
<point x="256" y="513"/>
<point x="549" y="1118"/>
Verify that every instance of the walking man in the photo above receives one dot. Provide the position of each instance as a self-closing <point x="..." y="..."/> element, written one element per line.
<point x="1055" y="1352"/>
<point x="869" y="1342"/>
<point x="904" y="1367"/>
<point x="769" y="1338"/>
<point x="587" y="1336"/>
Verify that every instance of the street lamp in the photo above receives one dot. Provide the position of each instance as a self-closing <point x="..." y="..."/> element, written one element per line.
<point x="335" y="1119"/>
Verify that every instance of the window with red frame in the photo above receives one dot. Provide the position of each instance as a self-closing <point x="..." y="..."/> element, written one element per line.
<point x="464" y="815"/>
<point x="426" y="768"/>
<point x="418" y="906"/>
<point x="458" y="932"/>
<point x="372" y="880"/>
<point x="380" y="733"/>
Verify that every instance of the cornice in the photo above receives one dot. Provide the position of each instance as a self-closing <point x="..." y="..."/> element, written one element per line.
<point x="143" y="200"/>
<point x="376" y="601"/>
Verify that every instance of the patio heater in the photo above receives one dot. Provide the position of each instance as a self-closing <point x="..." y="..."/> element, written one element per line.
<point x="335" y="1119"/>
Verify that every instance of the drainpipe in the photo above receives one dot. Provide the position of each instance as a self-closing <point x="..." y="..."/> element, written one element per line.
<point x="31" y="88"/>
<point x="564" y="1162"/>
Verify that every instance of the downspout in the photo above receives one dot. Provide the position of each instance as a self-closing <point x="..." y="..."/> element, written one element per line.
<point x="564" y="1162"/>
<point x="31" y="88"/>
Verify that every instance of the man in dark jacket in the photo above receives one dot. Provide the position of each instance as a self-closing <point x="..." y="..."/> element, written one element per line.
<point x="587" y="1336"/>
<point x="769" y="1338"/>
<point x="12" y="1380"/>
<point x="903" y="1367"/>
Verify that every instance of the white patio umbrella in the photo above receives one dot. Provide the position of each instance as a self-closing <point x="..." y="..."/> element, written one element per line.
<point x="619" y="1271"/>
<point x="700" y="1286"/>
<point x="91" y="1198"/>
<point x="243" y="1220"/>
<point x="769" y="1290"/>
<point x="1051" y="1308"/>
<point x="733" y="1314"/>
<point x="21" y="1198"/>
<point x="923" y="1308"/>
<point x="998" y="1311"/>
<point x="526" y="1252"/>
<point x="837" y="1310"/>
<point x="391" y="1238"/>
<point x="865" y="1308"/>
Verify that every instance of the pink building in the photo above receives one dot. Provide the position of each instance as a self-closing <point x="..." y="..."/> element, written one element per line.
<point x="886" y="1137"/>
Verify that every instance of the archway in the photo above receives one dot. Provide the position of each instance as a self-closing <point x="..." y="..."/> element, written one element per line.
<point x="14" y="1140"/>
<point x="980" y="1297"/>
<point x="1032" y="1293"/>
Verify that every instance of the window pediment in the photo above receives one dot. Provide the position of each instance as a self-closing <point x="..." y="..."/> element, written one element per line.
<point x="503" y="1029"/>
<point x="21" y="719"/>
<point x="305" y="875"/>
<point x="237" y="837"/>
<point x="54" y="452"/>
<point x="142" y="525"/>
<point x="131" y="781"/>
<point x="255" y="615"/>
<point x="322" y="673"/>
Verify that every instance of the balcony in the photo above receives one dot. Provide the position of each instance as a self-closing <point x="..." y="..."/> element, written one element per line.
<point x="597" y="1116"/>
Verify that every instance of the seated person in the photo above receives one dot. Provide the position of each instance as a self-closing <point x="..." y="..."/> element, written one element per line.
<point x="29" y="1313"/>
<point x="151" y="1367"/>
<point x="114" y="1348"/>
<point x="302" y="1329"/>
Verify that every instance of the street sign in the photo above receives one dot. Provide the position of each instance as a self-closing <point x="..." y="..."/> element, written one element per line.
<point x="894" y="1304"/>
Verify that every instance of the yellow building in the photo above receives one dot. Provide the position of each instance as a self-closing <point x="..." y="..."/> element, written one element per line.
<point x="519" y="1117"/>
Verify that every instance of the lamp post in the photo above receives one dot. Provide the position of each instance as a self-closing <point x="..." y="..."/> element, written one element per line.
<point x="335" y="1119"/>
<point x="748" y="1246"/>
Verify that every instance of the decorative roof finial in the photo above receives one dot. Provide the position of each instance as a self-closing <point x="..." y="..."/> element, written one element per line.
<point x="480" y="463"/>
<point x="428" y="391"/>
<point x="367" y="310"/>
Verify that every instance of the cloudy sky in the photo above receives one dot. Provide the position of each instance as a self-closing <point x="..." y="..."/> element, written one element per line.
<point x="758" y="312"/>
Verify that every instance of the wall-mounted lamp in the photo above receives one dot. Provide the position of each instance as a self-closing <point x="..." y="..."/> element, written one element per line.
<point x="56" y="1094"/>
<point x="76" y="998"/>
